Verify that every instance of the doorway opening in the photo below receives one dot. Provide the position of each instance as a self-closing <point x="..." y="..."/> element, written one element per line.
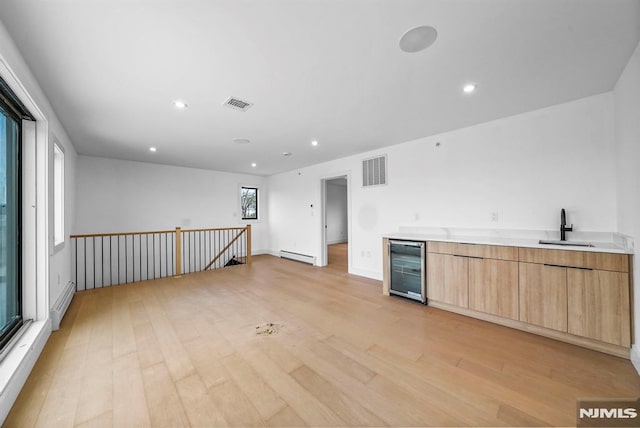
<point x="336" y="223"/>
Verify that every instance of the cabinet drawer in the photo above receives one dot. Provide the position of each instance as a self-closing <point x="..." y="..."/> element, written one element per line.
<point x="474" y="250"/>
<point x="580" y="259"/>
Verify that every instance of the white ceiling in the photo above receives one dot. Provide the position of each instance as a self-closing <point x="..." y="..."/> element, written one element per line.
<point x="329" y="70"/>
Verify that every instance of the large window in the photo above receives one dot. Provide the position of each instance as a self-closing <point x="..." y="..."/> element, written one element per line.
<point x="10" y="216"/>
<point x="249" y="203"/>
<point x="58" y="195"/>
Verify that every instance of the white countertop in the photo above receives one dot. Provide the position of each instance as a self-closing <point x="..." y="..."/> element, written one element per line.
<point x="603" y="242"/>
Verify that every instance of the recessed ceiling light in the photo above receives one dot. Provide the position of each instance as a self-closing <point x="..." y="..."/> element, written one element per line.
<point x="469" y="88"/>
<point x="418" y="39"/>
<point x="286" y="153"/>
<point x="314" y="143"/>
<point x="253" y="165"/>
<point x="153" y="149"/>
<point x="180" y="104"/>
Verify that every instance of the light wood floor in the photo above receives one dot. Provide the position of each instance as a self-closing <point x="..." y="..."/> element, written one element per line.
<point x="338" y="257"/>
<point x="184" y="351"/>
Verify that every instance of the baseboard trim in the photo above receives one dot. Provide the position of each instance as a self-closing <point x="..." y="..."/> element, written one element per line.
<point x="298" y="257"/>
<point x="17" y="366"/>
<point x="635" y="357"/>
<point x="367" y="273"/>
<point x="62" y="304"/>
<point x="260" y="252"/>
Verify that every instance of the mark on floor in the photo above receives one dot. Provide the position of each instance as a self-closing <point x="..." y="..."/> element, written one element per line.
<point x="267" y="329"/>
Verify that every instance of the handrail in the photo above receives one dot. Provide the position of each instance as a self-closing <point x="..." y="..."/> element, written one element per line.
<point x="97" y="235"/>
<point x="106" y="259"/>
<point x="214" y="229"/>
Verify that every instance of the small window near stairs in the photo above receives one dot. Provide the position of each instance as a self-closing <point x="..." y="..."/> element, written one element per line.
<point x="249" y="203"/>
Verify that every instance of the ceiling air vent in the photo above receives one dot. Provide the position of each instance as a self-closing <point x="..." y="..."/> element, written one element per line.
<point x="374" y="171"/>
<point x="237" y="104"/>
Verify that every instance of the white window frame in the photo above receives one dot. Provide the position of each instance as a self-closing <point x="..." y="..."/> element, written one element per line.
<point x="260" y="196"/>
<point x="58" y="168"/>
<point x="16" y="366"/>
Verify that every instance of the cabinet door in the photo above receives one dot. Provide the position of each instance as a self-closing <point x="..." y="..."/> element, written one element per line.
<point x="493" y="287"/>
<point x="448" y="279"/>
<point x="599" y="305"/>
<point x="386" y="272"/>
<point x="543" y="295"/>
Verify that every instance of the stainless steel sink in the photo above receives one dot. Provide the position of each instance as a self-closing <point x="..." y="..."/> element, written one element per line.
<point x="566" y="243"/>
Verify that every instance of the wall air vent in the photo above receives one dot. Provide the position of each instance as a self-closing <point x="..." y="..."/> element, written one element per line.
<point x="374" y="171"/>
<point x="237" y="104"/>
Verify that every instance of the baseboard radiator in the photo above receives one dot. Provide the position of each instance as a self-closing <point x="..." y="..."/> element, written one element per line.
<point x="61" y="305"/>
<point x="298" y="257"/>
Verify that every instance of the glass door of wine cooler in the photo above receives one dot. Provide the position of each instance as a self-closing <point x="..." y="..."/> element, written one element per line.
<point x="407" y="268"/>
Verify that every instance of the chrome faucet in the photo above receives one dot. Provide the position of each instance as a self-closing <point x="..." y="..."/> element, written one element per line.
<point x="563" y="225"/>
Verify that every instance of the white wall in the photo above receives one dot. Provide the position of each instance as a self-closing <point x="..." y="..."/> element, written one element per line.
<point x="524" y="167"/>
<point x="124" y="196"/>
<point x="59" y="263"/>
<point x="627" y="136"/>
<point x="336" y="212"/>
<point x="41" y="265"/>
<point x="60" y="260"/>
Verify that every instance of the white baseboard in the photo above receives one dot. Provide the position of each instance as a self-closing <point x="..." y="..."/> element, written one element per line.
<point x="635" y="357"/>
<point x="16" y="367"/>
<point x="273" y="253"/>
<point x="62" y="304"/>
<point x="299" y="257"/>
<point x="367" y="273"/>
<point x="261" y="252"/>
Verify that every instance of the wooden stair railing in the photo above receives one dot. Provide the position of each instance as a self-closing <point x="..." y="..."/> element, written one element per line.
<point x="106" y="259"/>
<point x="215" y="259"/>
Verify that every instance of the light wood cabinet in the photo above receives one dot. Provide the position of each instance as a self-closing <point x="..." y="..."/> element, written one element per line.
<point x="579" y="259"/>
<point x="581" y="297"/>
<point x="386" y="270"/>
<point x="474" y="250"/>
<point x="480" y="277"/>
<point x="448" y="279"/>
<point x="493" y="287"/>
<point x="543" y="295"/>
<point x="565" y="293"/>
<point x="598" y="305"/>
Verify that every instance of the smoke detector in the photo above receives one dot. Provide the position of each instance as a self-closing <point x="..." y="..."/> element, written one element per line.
<point x="237" y="104"/>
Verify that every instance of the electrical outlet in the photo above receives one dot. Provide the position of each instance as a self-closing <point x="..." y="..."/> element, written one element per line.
<point x="494" y="216"/>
